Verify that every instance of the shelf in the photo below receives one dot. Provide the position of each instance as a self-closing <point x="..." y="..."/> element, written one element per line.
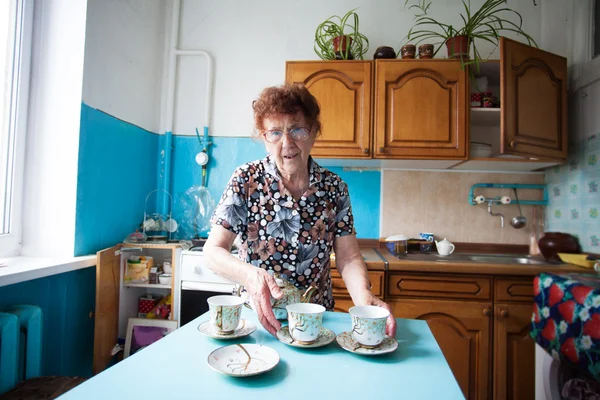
<point x="147" y="285"/>
<point x="504" y="164"/>
<point x="485" y="116"/>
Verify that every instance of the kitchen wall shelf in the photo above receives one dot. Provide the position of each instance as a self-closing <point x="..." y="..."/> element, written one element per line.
<point x="543" y="202"/>
<point x="148" y="285"/>
<point x="485" y="116"/>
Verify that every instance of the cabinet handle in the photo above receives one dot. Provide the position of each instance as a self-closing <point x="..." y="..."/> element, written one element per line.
<point x="366" y="151"/>
<point x="91" y="315"/>
<point x="513" y="144"/>
<point x="504" y="313"/>
<point x="381" y="149"/>
<point x="487" y="312"/>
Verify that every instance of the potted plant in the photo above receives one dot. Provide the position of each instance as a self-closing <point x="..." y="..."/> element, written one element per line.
<point x="338" y="38"/>
<point x="485" y="23"/>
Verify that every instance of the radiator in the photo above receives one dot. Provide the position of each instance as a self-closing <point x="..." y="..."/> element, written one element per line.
<point x="20" y="345"/>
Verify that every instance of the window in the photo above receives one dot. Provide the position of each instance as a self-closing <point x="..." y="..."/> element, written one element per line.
<point x="16" y="20"/>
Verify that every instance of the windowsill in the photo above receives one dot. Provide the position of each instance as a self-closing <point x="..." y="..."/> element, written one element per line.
<point x="21" y="269"/>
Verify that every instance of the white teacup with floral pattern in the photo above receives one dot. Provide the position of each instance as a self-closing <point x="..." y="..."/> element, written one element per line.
<point x="225" y="312"/>
<point x="305" y="321"/>
<point x="368" y="325"/>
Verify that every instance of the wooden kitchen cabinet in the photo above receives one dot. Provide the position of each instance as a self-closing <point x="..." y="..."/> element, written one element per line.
<point x="463" y="332"/>
<point x="531" y="123"/>
<point x="514" y="353"/>
<point x="534" y="98"/>
<point x="343" y="301"/>
<point x="514" y="350"/>
<point x="117" y="301"/>
<point x="343" y="90"/>
<point x="421" y="109"/>
<point x="480" y="322"/>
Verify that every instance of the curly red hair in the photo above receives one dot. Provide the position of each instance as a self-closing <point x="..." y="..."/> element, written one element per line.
<point x="286" y="99"/>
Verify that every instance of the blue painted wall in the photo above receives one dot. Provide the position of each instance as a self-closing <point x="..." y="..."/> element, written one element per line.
<point x="68" y="332"/>
<point x="117" y="169"/>
<point x="227" y="153"/>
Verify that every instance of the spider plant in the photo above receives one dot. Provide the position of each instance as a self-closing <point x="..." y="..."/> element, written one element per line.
<point x="486" y="23"/>
<point x="339" y="38"/>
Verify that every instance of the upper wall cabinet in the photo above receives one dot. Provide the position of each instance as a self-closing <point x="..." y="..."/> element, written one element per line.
<point x="534" y="99"/>
<point x="420" y="109"/>
<point x="418" y="114"/>
<point x="343" y="89"/>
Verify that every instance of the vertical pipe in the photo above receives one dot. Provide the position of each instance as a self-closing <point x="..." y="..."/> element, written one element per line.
<point x="167" y="144"/>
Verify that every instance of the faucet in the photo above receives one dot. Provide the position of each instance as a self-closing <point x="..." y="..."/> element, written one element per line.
<point x="493" y="214"/>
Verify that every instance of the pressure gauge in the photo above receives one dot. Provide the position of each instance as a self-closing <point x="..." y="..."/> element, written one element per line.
<point x="202" y="158"/>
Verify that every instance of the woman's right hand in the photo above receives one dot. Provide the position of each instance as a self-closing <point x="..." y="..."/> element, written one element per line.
<point x="261" y="287"/>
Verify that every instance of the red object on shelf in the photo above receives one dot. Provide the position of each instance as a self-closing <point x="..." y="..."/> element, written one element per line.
<point x="147" y="303"/>
<point x="476" y="99"/>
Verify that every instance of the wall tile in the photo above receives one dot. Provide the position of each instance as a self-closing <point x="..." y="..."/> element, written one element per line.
<point x="574" y="189"/>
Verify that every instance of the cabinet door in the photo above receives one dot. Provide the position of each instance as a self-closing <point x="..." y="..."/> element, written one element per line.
<point x="107" y="306"/>
<point x="462" y="330"/>
<point x="514" y="355"/>
<point x="343" y="90"/>
<point x="534" y="101"/>
<point x="342" y="303"/>
<point x="420" y="109"/>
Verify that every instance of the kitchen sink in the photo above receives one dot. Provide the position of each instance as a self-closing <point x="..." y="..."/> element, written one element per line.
<point x="504" y="259"/>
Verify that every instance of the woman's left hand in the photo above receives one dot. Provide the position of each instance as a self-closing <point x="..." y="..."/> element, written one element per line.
<point x="390" y="325"/>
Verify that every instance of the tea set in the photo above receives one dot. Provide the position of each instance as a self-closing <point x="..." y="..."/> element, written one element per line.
<point x="304" y="329"/>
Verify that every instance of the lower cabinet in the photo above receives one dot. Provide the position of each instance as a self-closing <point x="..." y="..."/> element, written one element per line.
<point x="343" y="301"/>
<point x="514" y="358"/>
<point x="463" y="332"/>
<point x="483" y="333"/>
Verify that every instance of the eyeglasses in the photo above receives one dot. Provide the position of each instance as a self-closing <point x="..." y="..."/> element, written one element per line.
<point x="297" y="134"/>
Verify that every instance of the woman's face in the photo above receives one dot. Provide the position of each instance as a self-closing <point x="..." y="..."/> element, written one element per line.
<point x="291" y="156"/>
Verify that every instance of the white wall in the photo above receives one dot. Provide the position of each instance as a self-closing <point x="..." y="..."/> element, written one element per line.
<point x="124" y="56"/>
<point x="251" y="41"/>
<point x="53" y="128"/>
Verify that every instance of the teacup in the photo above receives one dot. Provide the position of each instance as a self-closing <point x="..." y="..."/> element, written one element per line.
<point x="305" y="321"/>
<point x="368" y="325"/>
<point x="225" y="312"/>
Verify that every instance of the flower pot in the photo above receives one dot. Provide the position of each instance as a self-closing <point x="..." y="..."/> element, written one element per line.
<point x="340" y="45"/>
<point x="458" y="47"/>
<point x="426" y="51"/>
<point x="384" y="52"/>
<point x="408" y="51"/>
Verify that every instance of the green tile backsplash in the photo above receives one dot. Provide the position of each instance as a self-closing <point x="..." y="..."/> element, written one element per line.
<point x="574" y="194"/>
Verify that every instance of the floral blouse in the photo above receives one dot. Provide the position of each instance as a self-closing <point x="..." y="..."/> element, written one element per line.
<point x="282" y="235"/>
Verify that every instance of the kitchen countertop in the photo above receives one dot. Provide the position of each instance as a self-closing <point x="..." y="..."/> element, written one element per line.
<point x="176" y="367"/>
<point x="457" y="263"/>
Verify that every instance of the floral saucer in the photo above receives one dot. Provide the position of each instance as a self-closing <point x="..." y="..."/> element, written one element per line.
<point x="244" y="328"/>
<point x="243" y="360"/>
<point x="325" y="337"/>
<point x="346" y="341"/>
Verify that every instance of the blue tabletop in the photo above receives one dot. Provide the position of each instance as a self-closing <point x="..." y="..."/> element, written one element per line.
<point x="176" y="367"/>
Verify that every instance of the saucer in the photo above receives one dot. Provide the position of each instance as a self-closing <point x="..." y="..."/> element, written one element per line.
<point x="325" y="337"/>
<point x="243" y="360"/>
<point x="244" y="328"/>
<point x="346" y="341"/>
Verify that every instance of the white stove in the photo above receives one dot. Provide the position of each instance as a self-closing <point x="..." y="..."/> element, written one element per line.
<point x="197" y="284"/>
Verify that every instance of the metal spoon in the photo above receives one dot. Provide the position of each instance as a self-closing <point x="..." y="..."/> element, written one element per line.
<point x="520" y="221"/>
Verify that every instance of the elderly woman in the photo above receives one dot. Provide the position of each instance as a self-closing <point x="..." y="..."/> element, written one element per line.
<point x="289" y="212"/>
